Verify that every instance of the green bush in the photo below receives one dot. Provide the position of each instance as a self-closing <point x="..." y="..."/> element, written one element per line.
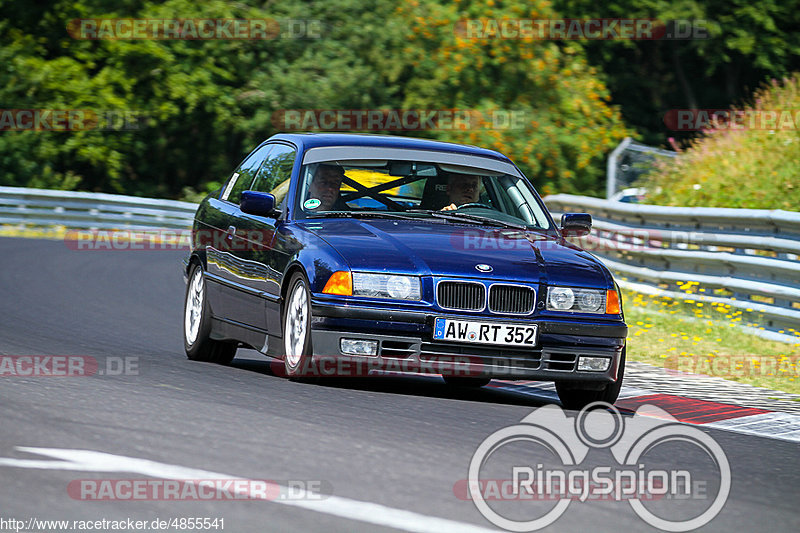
<point x="748" y="167"/>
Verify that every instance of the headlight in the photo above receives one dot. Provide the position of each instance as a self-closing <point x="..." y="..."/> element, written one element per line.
<point x="386" y="286"/>
<point x="560" y="298"/>
<point x="581" y="300"/>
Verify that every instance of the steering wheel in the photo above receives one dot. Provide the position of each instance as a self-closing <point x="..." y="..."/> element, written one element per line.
<point x="474" y="204"/>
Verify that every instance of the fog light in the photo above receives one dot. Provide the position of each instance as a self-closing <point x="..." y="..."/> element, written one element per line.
<point x="358" y="347"/>
<point x="594" y="364"/>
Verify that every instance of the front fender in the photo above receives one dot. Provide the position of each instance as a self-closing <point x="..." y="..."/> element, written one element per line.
<point x="315" y="256"/>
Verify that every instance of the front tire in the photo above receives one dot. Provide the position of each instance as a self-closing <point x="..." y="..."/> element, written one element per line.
<point x="197" y="342"/>
<point x="574" y="397"/>
<point x="297" y="328"/>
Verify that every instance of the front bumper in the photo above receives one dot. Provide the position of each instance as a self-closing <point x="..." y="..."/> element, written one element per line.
<point x="405" y="344"/>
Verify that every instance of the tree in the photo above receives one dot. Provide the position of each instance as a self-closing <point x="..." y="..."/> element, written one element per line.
<point x="745" y="45"/>
<point x="568" y="124"/>
<point x="203" y="104"/>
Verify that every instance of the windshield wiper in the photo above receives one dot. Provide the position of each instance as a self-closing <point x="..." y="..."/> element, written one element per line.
<point x="409" y="215"/>
<point x="467" y="217"/>
<point x="362" y="214"/>
<point x="331" y="214"/>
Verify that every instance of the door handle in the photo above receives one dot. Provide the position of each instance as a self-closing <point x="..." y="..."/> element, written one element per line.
<point x="231" y="232"/>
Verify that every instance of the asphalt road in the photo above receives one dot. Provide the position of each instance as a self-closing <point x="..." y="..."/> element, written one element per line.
<point x="400" y="443"/>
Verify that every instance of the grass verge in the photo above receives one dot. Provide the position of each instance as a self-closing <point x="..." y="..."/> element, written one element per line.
<point x="681" y="335"/>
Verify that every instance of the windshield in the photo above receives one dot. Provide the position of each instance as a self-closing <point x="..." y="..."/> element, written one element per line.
<point x="419" y="189"/>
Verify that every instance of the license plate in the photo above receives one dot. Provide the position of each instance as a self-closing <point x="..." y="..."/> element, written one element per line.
<point x="448" y="329"/>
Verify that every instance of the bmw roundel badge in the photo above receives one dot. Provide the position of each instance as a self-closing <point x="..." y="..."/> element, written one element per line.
<point x="482" y="267"/>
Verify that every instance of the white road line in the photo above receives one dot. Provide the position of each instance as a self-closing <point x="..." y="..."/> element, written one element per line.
<point x="783" y="426"/>
<point x="371" y="513"/>
<point x="633" y="392"/>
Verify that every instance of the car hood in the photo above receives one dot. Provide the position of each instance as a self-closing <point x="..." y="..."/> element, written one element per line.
<point x="441" y="248"/>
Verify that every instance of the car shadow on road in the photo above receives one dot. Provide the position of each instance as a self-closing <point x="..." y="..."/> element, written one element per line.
<point x="432" y="386"/>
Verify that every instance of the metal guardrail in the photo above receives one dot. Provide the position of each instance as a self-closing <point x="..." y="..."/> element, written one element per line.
<point x="743" y="258"/>
<point x="43" y="207"/>
<point x="628" y="161"/>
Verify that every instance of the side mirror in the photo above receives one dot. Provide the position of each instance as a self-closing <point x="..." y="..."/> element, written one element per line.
<point x="260" y="204"/>
<point x="576" y="224"/>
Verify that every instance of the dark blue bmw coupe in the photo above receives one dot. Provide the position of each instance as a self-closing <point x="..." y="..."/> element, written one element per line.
<point x="347" y="254"/>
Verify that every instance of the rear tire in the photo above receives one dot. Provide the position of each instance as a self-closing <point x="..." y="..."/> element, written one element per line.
<point x="197" y="342"/>
<point x="473" y="383"/>
<point x="574" y="397"/>
<point x="297" y="351"/>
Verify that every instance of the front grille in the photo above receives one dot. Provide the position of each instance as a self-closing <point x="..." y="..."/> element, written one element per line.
<point x="511" y="299"/>
<point x="397" y="349"/>
<point x="560" y="361"/>
<point x="507" y="357"/>
<point x="461" y="295"/>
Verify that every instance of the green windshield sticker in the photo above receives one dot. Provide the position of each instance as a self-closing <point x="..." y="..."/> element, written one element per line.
<point x="311" y="203"/>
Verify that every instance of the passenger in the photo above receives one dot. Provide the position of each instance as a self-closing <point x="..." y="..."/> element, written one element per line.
<point x="325" y="186"/>
<point x="462" y="189"/>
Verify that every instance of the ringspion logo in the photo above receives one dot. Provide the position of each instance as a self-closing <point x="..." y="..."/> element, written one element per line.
<point x="518" y="496"/>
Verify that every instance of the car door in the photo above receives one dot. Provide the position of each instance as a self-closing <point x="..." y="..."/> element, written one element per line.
<point x="254" y="243"/>
<point x="226" y="292"/>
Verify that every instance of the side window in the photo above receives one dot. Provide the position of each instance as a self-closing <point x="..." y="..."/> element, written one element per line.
<point x="243" y="177"/>
<point x="276" y="169"/>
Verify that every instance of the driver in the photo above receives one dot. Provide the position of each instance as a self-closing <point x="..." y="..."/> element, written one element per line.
<point x="462" y="189"/>
<point x="325" y="185"/>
